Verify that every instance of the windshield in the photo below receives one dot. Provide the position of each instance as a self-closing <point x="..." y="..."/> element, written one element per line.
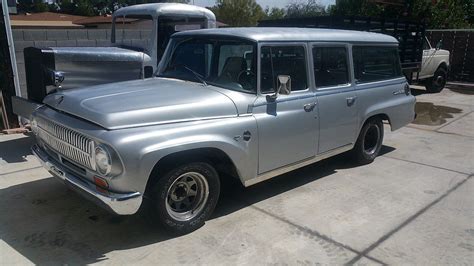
<point x="227" y="63"/>
<point x="135" y="32"/>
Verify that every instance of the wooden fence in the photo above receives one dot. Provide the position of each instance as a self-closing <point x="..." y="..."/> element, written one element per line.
<point x="460" y="43"/>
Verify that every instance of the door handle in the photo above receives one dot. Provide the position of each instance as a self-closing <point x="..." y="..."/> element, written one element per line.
<point x="309" y="107"/>
<point x="351" y="100"/>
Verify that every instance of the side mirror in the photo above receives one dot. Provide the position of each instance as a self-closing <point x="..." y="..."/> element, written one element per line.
<point x="439" y="44"/>
<point x="284" y="87"/>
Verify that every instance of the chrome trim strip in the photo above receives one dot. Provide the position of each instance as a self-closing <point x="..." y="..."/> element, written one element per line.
<point x="120" y="203"/>
<point x="294" y="166"/>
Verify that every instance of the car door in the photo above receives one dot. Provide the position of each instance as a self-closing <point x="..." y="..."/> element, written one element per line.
<point x="287" y="125"/>
<point x="428" y="63"/>
<point x="337" y="99"/>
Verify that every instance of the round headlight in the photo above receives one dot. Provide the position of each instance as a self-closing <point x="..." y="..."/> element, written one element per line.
<point x="103" y="161"/>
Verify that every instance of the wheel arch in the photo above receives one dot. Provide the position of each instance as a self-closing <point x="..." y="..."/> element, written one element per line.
<point x="219" y="159"/>
<point x="382" y="116"/>
<point x="443" y="65"/>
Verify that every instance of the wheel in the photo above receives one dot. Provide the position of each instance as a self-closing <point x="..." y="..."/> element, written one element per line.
<point x="438" y="81"/>
<point x="185" y="197"/>
<point x="369" y="141"/>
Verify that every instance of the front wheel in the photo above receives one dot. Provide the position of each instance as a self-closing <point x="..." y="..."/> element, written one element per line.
<point x="438" y="81"/>
<point x="185" y="197"/>
<point x="369" y="142"/>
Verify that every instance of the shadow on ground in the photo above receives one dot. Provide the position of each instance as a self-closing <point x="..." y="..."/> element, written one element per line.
<point x="48" y="224"/>
<point x="15" y="150"/>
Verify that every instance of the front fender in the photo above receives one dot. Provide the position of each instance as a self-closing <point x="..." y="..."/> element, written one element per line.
<point x="142" y="148"/>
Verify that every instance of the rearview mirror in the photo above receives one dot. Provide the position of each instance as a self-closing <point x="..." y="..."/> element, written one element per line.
<point x="283" y="87"/>
<point x="439" y="44"/>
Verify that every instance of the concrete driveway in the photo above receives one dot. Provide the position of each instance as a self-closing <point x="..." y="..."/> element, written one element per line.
<point x="413" y="205"/>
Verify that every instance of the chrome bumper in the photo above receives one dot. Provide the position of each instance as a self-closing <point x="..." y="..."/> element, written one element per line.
<point x="119" y="203"/>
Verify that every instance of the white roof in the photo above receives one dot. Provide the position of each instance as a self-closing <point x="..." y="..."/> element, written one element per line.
<point x="169" y="9"/>
<point x="261" y="34"/>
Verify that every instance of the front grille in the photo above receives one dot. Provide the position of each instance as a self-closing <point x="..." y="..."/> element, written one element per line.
<point x="68" y="143"/>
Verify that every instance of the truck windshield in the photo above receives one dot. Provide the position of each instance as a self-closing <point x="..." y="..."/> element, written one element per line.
<point x="134" y="32"/>
<point x="226" y="63"/>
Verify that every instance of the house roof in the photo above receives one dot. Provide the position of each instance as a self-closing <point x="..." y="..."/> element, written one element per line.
<point x="44" y="19"/>
<point x="45" y="16"/>
<point x="101" y="20"/>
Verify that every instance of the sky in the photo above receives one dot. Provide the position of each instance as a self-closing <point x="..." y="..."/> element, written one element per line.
<point x="262" y="3"/>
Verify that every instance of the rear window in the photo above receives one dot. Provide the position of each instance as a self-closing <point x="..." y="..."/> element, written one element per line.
<point x="374" y="63"/>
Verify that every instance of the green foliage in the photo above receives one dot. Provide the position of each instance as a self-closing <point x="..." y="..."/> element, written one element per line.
<point x="310" y="8"/>
<point x="274" y="13"/>
<point x="39" y="6"/>
<point x="449" y="14"/>
<point x="238" y="13"/>
<point x="436" y="14"/>
<point x="355" y="8"/>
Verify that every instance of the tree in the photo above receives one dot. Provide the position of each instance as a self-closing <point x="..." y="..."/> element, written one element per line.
<point x="355" y="8"/>
<point x="436" y="14"/>
<point x="310" y="8"/>
<point x="274" y="13"/>
<point x="238" y="13"/>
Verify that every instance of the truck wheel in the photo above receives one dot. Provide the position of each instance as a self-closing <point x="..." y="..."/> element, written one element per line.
<point x="438" y="81"/>
<point x="369" y="141"/>
<point x="185" y="197"/>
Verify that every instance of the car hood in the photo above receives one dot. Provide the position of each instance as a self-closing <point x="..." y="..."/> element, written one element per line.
<point x="143" y="102"/>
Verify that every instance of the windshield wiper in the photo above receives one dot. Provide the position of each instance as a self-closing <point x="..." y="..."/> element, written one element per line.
<point x="197" y="75"/>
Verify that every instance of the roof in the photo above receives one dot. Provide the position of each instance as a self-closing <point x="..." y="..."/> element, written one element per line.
<point x="45" y="19"/>
<point x="171" y="9"/>
<point x="101" y="20"/>
<point x="294" y="34"/>
<point x="45" y="16"/>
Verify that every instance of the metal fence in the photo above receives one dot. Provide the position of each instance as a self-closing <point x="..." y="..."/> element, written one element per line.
<point x="460" y="43"/>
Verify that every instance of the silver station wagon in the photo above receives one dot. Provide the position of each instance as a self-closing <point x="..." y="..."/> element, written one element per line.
<point x="249" y="103"/>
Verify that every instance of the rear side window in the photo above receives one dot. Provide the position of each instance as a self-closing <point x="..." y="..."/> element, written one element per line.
<point x="373" y="63"/>
<point x="330" y="66"/>
<point x="283" y="60"/>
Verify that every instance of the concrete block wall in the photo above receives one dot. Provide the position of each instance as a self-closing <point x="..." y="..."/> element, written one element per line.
<point x="60" y="38"/>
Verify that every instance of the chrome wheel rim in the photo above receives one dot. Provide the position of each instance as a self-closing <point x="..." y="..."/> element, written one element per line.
<point x="371" y="139"/>
<point x="187" y="196"/>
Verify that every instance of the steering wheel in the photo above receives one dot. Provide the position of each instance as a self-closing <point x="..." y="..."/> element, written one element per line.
<point x="246" y="78"/>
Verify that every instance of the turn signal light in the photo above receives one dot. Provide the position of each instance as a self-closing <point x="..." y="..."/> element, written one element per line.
<point x="100" y="182"/>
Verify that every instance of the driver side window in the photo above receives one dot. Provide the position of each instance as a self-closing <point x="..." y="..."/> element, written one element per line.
<point x="283" y="60"/>
<point x="232" y="62"/>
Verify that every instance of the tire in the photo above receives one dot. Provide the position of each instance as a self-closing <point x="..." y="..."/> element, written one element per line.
<point x="173" y="205"/>
<point x="369" y="142"/>
<point x="438" y="81"/>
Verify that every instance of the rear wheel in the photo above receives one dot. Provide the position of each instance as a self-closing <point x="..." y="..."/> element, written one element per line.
<point x="438" y="81"/>
<point x="185" y="197"/>
<point x="369" y="142"/>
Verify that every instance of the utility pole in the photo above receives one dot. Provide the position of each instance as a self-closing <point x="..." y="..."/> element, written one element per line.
<point x="10" y="85"/>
